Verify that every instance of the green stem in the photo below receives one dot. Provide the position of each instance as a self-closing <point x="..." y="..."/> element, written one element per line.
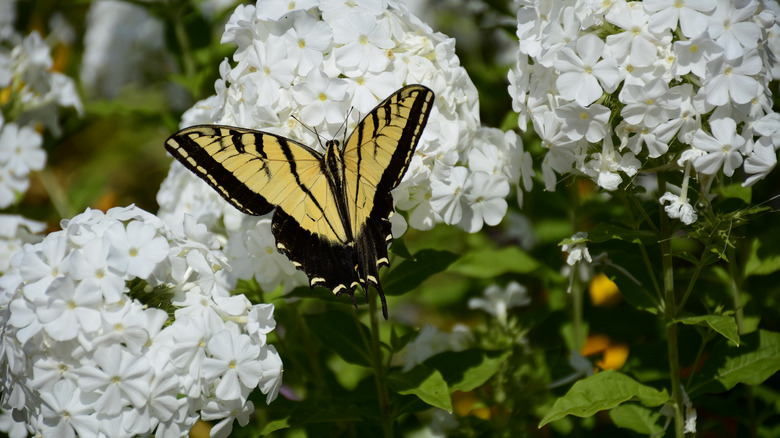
<point x="670" y="311"/>
<point x="183" y="39"/>
<point x="576" y="296"/>
<point x="379" y="371"/>
<point x="734" y="289"/>
<point x="694" y="277"/>
<point x="642" y="249"/>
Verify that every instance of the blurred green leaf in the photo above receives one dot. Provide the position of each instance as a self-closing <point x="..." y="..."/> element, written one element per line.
<point x="761" y="262"/>
<point x="636" y="417"/>
<point x="411" y="273"/>
<point x="726" y="325"/>
<point x="424" y="382"/>
<point x="399" y="248"/>
<point x="603" y="232"/>
<point x="756" y="359"/>
<point x="491" y="262"/>
<point x="340" y="333"/>
<point x="601" y="391"/>
<point x="467" y="370"/>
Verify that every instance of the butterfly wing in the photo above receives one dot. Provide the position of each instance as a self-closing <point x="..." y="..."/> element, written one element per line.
<point x="255" y="172"/>
<point x="376" y="157"/>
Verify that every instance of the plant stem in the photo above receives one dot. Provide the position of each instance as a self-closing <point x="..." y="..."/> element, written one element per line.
<point x="670" y="311"/>
<point x="379" y="371"/>
<point x="577" y="297"/>
<point x="739" y="314"/>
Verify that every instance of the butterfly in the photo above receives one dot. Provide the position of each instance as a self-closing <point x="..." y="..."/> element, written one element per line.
<point x="332" y="210"/>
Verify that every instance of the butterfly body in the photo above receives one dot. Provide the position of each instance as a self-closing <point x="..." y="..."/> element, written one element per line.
<point x="332" y="217"/>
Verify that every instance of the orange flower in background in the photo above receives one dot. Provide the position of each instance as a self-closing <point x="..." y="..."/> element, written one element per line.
<point x="613" y="354"/>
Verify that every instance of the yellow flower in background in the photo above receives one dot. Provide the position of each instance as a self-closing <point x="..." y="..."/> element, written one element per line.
<point x="603" y="291"/>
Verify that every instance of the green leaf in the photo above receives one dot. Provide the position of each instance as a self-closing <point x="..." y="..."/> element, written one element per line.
<point x="411" y="273"/>
<point x="735" y="191"/>
<point x="308" y="412"/>
<point x="636" y="417"/>
<point x="756" y="359"/>
<point x="726" y="325"/>
<point x="273" y="426"/>
<point x="467" y="370"/>
<point x="398" y="247"/>
<point x="604" y="231"/>
<point x="340" y="332"/>
<point x="491" y="262"/>
<point x="634" y="284"/>
<point x="761" y="262"/>
<point x="424" y="382"/>
<point x="600" y="391"/>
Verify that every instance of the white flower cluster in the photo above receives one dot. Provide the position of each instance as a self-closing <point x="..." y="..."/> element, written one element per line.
<point x="314" y="61"/>
<point x="15" y="231"/>
<point x="118" y="326"/>
<point x="30" y="94"/>
<point x="497" y="300"/>
<point x="676" y="82"/>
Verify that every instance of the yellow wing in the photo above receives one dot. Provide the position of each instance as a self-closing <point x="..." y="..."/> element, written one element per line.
<point x="376" y="157"/>
<point x="256" y="171"/>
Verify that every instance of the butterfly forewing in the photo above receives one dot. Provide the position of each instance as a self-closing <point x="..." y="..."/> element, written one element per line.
<point x="378" y="152"/>
<point x="256" y="171"/>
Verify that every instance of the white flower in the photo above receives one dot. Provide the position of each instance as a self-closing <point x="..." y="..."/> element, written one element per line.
<point x="363" y="44"/>
<point x="275" y="9"/>
<point x="136" y="249"/>
<point x="723" y="147"/>
<point x="583" y="77"/>
<point x="761" y="160"/>
<point x="497" y="300"/>
<point x="577" y="249"/>
<point x="648" y="105"/>
<point x="636" y="45"/>
<point x="689" y="13"/>
<point x="15" y="231"/>
<point x="679" y="208"/>
<point x="67" y="413"/>
<point x="486" y="195"/>
<point x="307" y="41"/>
<point x="119" y="376"/>
<point x="692" y="55"/>
<point x="732" y="79"/>
<point x="579" y="122"/>
<point x="233" y="360"/>
<point x="731" y="25"/>
<point x="446" y="195"/>
<point x="321" y="98"/>
<point x="430" y="341"/>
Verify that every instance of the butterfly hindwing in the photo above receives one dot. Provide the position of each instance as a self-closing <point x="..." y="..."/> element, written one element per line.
<point x="332" y="215"/>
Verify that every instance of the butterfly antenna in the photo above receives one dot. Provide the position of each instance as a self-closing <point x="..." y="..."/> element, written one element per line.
<point x="310" y="128"/>
<point x="344" y="125"/>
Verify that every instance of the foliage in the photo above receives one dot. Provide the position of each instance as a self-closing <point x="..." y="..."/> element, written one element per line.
<point x="699" y="302"/>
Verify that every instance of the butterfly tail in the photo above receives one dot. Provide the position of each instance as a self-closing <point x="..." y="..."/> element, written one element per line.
<point x="372" y="255"/>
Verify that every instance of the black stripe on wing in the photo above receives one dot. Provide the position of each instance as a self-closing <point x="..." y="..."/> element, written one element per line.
<point x="192" y="155"/>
